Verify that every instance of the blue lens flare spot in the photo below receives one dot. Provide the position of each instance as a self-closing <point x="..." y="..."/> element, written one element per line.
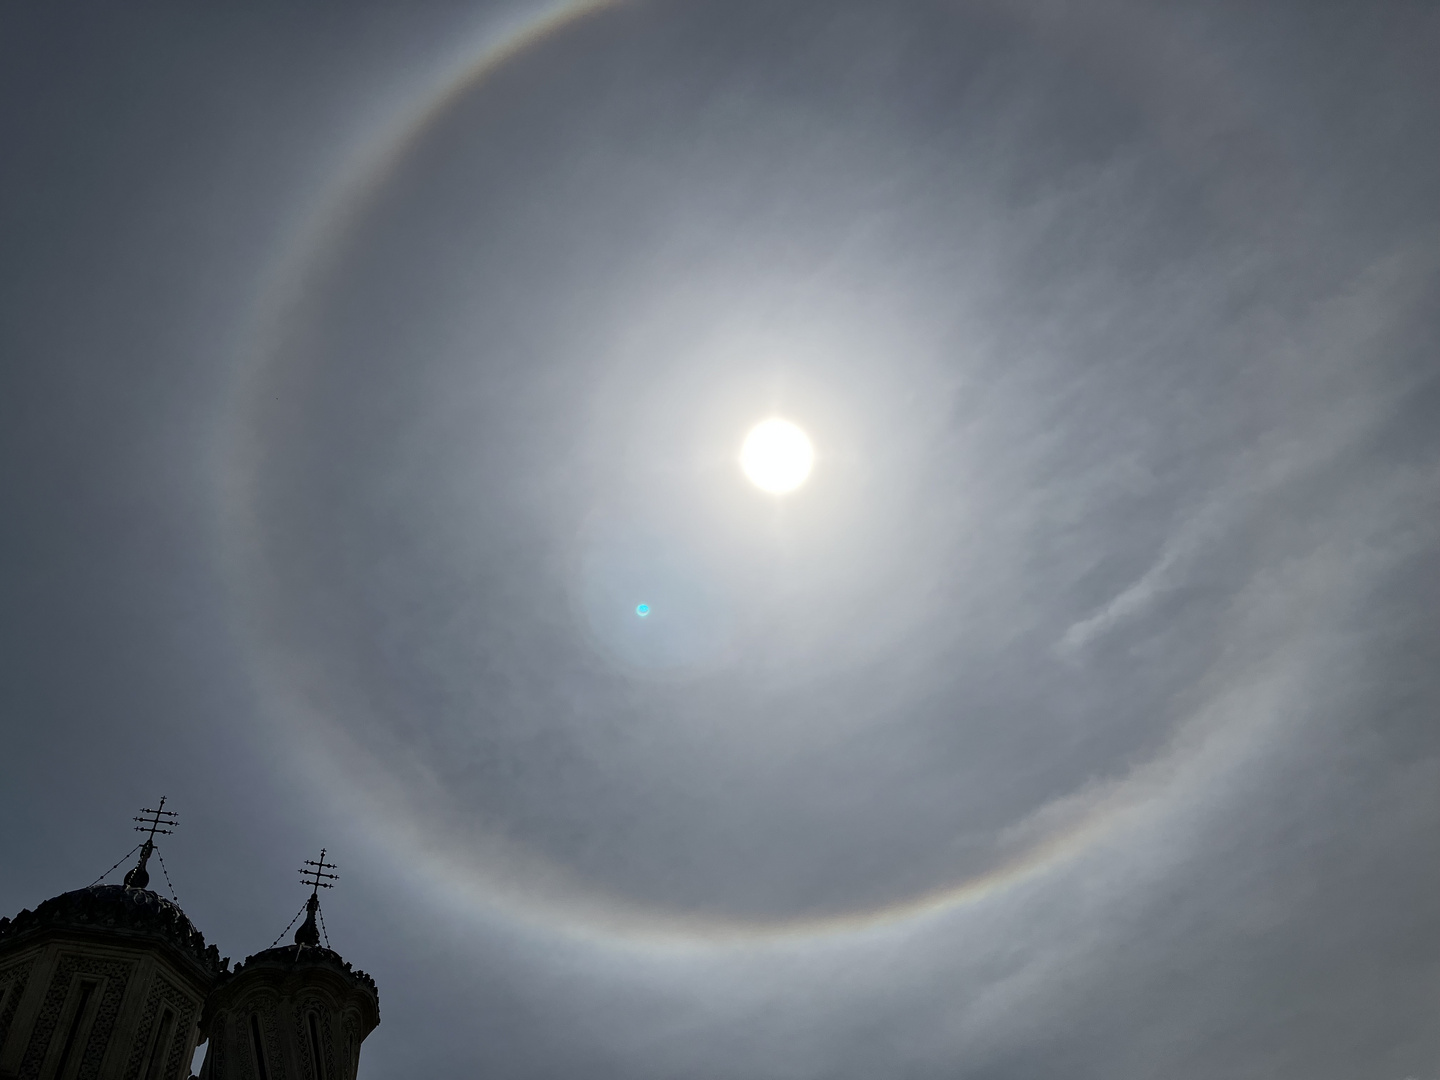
<point x="642" y="610"/>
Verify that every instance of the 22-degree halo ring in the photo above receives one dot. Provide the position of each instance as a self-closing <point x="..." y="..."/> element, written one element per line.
<point x="602" y="917"/>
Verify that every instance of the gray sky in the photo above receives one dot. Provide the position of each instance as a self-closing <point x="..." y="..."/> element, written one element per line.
<point x="364" y="368"/>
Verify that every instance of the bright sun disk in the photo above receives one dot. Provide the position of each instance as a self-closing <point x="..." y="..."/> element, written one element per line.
<point x="776" y="456"/>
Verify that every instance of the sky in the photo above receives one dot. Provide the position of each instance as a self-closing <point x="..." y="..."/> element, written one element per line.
<point x="363" y="367"/>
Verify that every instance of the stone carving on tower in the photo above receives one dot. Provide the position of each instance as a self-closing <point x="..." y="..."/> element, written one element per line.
<point x="113" y="982"/>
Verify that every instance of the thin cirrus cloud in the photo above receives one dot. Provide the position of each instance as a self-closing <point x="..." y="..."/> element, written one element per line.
<point x="1071" y="718"/>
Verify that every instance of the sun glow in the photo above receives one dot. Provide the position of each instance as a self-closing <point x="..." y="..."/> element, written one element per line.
<point x="776" y="456"/>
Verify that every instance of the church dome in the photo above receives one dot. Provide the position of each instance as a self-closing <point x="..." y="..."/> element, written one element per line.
<point x="117" y="912"/>
<point x="107" y="982"/>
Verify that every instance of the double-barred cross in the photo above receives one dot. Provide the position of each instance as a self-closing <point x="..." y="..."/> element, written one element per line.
<point x="159" y="820"/>
<point x="315" y="873"/>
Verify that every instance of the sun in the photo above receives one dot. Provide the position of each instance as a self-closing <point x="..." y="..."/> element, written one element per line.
<point x="776" y="456"/>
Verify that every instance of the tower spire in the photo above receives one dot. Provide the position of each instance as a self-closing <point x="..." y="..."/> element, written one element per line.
<point x="316" y="874"/>
<point x="158" y="821"/>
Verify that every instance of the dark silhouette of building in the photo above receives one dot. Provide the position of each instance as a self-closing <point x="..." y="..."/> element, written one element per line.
<point x="113" y="982"/>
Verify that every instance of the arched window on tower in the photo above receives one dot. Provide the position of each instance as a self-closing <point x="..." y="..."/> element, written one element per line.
<point x="69" y="1061"/>
<point x="257" y="1044"/>
<point x="314" y="1023"/>
<point x="160" y="1046"/>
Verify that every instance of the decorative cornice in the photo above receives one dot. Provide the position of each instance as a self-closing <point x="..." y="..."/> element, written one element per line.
<point x="298" y="957"/>
<point x="122" y="912"/>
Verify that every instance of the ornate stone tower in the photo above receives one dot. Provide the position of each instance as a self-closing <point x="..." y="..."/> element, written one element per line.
<point x="293" y="1012"/>
<point x="104" y="983"/>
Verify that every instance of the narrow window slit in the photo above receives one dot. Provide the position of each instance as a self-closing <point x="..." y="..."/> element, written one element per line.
<point x="315" y="1049"/>
<point x="86" y="990"/>
<point x="159" y="1049"/>
<point x="259" y="1049"/>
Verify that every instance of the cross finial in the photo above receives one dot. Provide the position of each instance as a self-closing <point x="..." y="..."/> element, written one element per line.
<point x="158" y="821"/>
<point x="314" y="873"/>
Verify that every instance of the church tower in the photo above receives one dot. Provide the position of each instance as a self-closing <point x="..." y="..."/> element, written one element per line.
<point x="106" y="982"/>
<point x="291" y="1012"/>
<point x="113" y="982"/>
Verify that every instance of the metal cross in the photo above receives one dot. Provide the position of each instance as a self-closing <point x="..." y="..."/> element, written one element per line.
<point x="314" y="874"/>
<point x="156" y="822"/>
